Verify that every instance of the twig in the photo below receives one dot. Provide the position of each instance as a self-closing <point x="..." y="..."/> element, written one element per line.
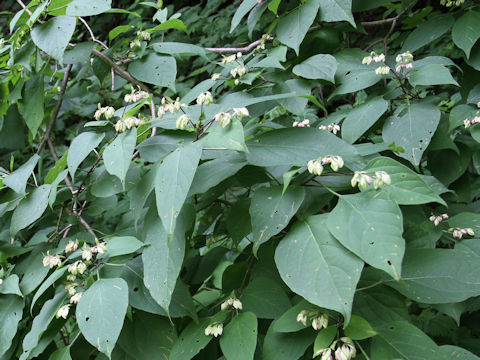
<point x="87" y="226"/>
<point x="384" y="21"/>
<point x="244" y="49"/>
<point x="91" y="33"/>
<point x="20" y="2"/>
<point x="123" y="73"/>
<point x="57" y="108"/>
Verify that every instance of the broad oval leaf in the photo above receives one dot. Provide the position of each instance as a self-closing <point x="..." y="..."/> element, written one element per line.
<point x="271" y="211"/>
<point x="30" y="209"/>
<point x="458" y="353"/>
<point x="54" y="35"/>
<point x="101" y="311"/>
<point x="242" y="10"/>
<point x="239" y="337"/>
<point x="11" y="311"/>
<point x="433" y="74"/>
<point x="336" y="10"/>
<point x="118" y="154"/>
<point x="17" y="180"/>
<point x="466" y="32"/>
<point x="314" y="265"/>
<point x="317" y="67"/>
<point x="265" y="298"/>
<point x="357" y="80"/>
<point x="228" y="137"/>
<point x="281" y="346"/>
<point x="80" y="147"/>
<point x="155" y="69"/>
<point x="88" y="7"/>
<point x="427" y="32"/>
<point x="372" y="229"/>
<point x="407" y="187"/>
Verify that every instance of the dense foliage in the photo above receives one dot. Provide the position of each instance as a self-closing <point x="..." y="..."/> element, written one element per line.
<point x="256" y="179"/>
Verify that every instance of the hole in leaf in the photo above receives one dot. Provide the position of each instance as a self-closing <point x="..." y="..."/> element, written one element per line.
<point x="371" y="243"/>
<point x="87" y="318"/>
<point x="389" y="262"/>
<point x="135" y="289"/>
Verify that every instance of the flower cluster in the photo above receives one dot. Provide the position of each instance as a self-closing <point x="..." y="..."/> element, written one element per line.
<point x="71" y="246"/>
<point x="168" y="105"/>
<point x="230" y="59"/>
<point x="127" y="123"/>
<point x="315" y="167"/>
<point x="182" y="121"/>
<point x="106" y="111"/>
<point x="225" y="118"/>
<point x="205" y="98"/>
<point x="438" y="219"/>
<point x="319" y="321"/>
<point x="459" y="232"/>
<point x="382" y="70"/>
<point x="141" y="35"/>
<point x="472" y="120"/>
<point x="216" y="76"/>
<point x="52" y="260"/>
<point x="136" y="96"/>
<point x="215" y="329"/>
<point x="404" y="61"/>
<point x="363" y="179"/>
<point x="376" y="58"/>
<point x="450" y="3"/>
<point x="263" y="40"/>
<point x="334" y="128"/>
<point x="239" y="71"/>
<point x="231" y="303"/>
<point x="304" y="123"/>
<point x="345" y="350"/>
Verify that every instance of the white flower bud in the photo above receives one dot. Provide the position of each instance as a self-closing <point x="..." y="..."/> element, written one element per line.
<point x="71" y="246"/>
<point x="135" y="43"/>
<point x="205" y="98"/>
<point x="109" y="112"/>
<point x="63" y="312"/>
<point x="303" y="317"/>
<point x="70" y="288"/>
<point x="161" y="111"/>
<point x="381" y="179"/>
<point x="237" y="304"/>
<point x="216" y="76"/>
<point x="382" y="70"/>
<point x="81" y="267"/>
<point x="76" y="298"/>
<point x="367" y="60"/>
<point x="144" y="35"/>
<point x="240" y="113"/>
<point x="86" y="254"/>
<point x="120" y="126"/>
<point x="101" y="247"/>
<point x="320" y="322"/>
<point x="466" y="123"/>
<point x="470" y="231"/>
<point x="182" y="121"/>
<point x="223" y="118"/>
<point x="228" y="59"/>
<point x="315" y="167"/>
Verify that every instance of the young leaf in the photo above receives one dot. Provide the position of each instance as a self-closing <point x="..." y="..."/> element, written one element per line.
<point x="173" y="180"/>
<point x="32" y="105"/>
<point x="314" y="265"/>
<point x="101" y="311"/>
<point x="54" y="35"/>
<point x="271" y="211"/>
<point x="282" y="346"/>
<point x="324" y="338"/>
<point x="17" y="180"/>
<point x="359" y="329"/>
<point x="118" y="154"/>
<point x="239" y="337"/>
<point x="372" y="229"/>
<point x="80" y="147"/>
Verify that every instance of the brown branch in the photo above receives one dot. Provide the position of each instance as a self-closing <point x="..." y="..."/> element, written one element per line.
<point x="20" y="2"/>
<point x="91" y="33"/>
<point x="57" y="108"/>
<point x="384" y="21"/>
<point x="232" y="50"/>
<point x="87" y="226"/>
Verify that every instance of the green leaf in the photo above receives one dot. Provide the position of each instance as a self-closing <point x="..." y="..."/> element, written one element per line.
<point x="118" y="154"/>
<point x="361" y="118"/>
<point x="428" y="32"/>
<point x="173" y="180"/>
<point x="242" y="10"/>
<point x="155" y="69"/>
<point x="296" y="146"/>
<point x="372" y="229"/>
<point x="282" y="346"/>
<point x="156" y="147"/>
<point x="466" y="220"/>
<point x="10" y="286"/>
<point x="324" y="338"/>
<point x="173" y="48"/>
<point x="53" y="191"/>
<point x="333" y="271"/>
<point x="357" y="80"/>
<point x="30" y="209"/>
<point x="271" y="211"/>
<point x="122" y="245"/>
<point x="466" y="32"/>
<point x="238" y="220"/>
<point x="53" y="173"/>
<point x="436" y="276"/>
<point x="458" y="353"/>
<point x="32" y="105"/>
<point x="112" y="34"/>
<point x="41" y="323"/>
<point x="410" y="341"/>
<point x="336" y="10"/>
<point x="61" y="354"/>
<point x="288" y="321"/>
<point x="54" y="35"/>
<point x="57" y="274"/>
<point x="80" y="147"/>
<point x="17" y="180"/>
<point x="317" y="67"/>
<point x="170" y="24"/>
<point x="11" y="307"/>
<point x="265" y="298"/>
<point x="433" y="74"/>
<point x="413" y="129"/>
<point x="193" y="338"/>
<point x="407" y="187"/>
<point x="359" y="329"/>
<point x="213" y="172"/>
<point x="162" y="261"/>
<point x="100" y="313"/>
<point x="292" y="29"/>
<point x="229" y="137"/>
<point x="88" y="7"/>
<point x="239" y="338"/>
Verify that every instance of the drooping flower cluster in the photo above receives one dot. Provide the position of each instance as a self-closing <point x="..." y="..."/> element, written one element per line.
<point x="319" y="321"/>
<point x="263" y="40"/>
<point x="141" y="35"/>
<point x="438" y="219"/>
<point x="127" y="123"/>
<point x="205" y="98"/>
<point x="373" y="57"/>
<point x="231" y="303"/>
<point x="135" y="96"/>
<point x="182" y="121"/>
<point x="168" y="105"/>
<point x="345" y="350"/>
<point x="304" y="123"/>
<point x="225" y="118"/>
<point x="215" y="329"/>
<point x="71" y="246"/>
<point x="472" y="120"/>
<point x="334" y="128"/>
<point x="63" y="312"/>
<point x="363" y="179"/>
<point x="382" y="70"/>
<point x="106" y="111"/>
<point x="459" y="232"/>
<point x="51" y="260"/>
<point x="450" y="3"/>
<point x="315" y="167"/>
<point x="404" y="61"/>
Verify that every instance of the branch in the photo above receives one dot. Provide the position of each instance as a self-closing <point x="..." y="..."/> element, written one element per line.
<point x="57" y="108"/>
<point x="87" y="226"/>
<point x="384" y="21"/>
<point x="20" y="2"/>
<point x="91" y="33"/>
<point x="232" y="50"/>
